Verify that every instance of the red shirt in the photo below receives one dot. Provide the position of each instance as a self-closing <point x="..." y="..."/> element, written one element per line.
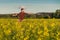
<point x="21" y="15"/>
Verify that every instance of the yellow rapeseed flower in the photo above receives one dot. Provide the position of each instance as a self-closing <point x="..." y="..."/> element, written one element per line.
<point x="7" y="32"/>
<point x="46" y="34"/>
<point x="52" y="24"/>
<point x="39" y="32"/>
<point x="33" y="31"/>
<point x="58" y="33"/>
<point x="39" y="38"/>
<point x="26" y="38"/>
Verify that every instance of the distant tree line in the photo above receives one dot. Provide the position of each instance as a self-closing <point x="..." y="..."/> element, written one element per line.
<point x="36" y="15"/>
<point x="57" y="14"/>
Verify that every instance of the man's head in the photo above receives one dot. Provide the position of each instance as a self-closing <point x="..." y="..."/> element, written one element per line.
<point x="22" y="7"/>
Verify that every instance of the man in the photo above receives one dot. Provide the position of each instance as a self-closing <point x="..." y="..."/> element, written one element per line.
<point x="21" y="14"/>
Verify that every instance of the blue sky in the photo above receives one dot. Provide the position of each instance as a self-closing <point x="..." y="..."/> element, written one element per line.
<point x="11" y="6"/>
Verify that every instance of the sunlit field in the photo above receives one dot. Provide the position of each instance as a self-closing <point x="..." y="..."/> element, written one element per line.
<point x="30" y="29"/>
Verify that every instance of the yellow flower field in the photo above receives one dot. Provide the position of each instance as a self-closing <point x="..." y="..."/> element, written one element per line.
<point x="30" y="29"/>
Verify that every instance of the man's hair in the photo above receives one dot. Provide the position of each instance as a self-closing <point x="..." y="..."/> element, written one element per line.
<point x="22" y="8"/>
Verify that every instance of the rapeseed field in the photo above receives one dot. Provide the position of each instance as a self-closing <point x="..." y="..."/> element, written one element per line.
<point x="30" y="29"/>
